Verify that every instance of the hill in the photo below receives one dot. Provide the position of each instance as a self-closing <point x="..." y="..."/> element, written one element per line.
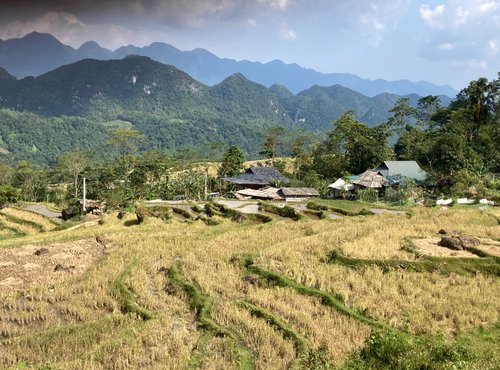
<point x="38" y="53"/>
<point x="316" y="108"/>
<point x="171" y="108"/>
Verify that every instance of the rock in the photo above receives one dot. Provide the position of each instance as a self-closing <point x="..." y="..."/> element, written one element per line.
<point x="170" y="288"/>
<point x="251" y="279"/>
<point x="163" y="270"/>
<point x="102" y="240"/>
<point x="469" y="241"/>
<point x="451" y="243"/>
<point x="70" y="212"/>
<point x="442" y="232"/>
<point x="60" y="267"/>
<point x="41" y="252"/>
<point x="239" y="218"/>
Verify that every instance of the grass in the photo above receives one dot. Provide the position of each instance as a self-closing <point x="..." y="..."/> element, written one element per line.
<point x="286" y="211"/>
<point x="127" y="297"/>
<point x="203" y="306"/>
<point x="489" y="265"/>
<point x="170" y="294"/>
<point x="331" y="300"/>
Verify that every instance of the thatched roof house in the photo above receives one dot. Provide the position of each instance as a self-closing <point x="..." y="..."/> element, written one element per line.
<point x="291" y="194"/>
<point x="371" y="179"/>
<point x="401" y="169"/>
<point x="258" y="177"/>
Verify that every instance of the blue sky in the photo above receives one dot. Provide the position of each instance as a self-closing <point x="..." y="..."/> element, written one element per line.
<point x="445" y="42"/>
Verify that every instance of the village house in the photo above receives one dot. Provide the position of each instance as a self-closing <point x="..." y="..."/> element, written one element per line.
<point x="258" y="178"/>
<point x="394" y="171"/>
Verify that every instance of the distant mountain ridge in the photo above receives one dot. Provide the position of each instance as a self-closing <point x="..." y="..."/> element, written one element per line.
<point x="38" y="53"/>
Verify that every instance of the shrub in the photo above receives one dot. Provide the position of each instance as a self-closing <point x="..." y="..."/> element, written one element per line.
<point x="367" y="195"/>
<point x="9" y="194"/>
<point x="398" y="350"/>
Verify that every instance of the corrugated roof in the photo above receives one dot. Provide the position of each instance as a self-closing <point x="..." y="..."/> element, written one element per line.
<point x="268" y="193"/>
<point x="409" y="169"/>
<point x="258" y="176"/>
<point x="304" y="192"/>
<point x="370" y="179"/>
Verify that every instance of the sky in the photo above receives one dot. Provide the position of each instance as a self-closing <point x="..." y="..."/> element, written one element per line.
<point x="441" y="41"/>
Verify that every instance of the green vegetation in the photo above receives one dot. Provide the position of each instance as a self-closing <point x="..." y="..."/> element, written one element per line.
<point x="128" y="297"/>
<point x="285" y="211"/>
<point x="488" y="265"/>
<point x="203" y="305"/>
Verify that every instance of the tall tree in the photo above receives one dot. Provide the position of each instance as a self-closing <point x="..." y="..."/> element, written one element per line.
<point x="427" y="107"/>
<point x="232" y="162"/>
<point x="475" y="106"/>
<point x="73" y="164"/>
<point x="125" y="140"/>
<point x="272" y="141"/>
<point x="402" y="115"/>
<point x="352" y="146"/>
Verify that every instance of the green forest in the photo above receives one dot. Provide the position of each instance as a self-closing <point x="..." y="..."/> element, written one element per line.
<point x="456" y="144"/>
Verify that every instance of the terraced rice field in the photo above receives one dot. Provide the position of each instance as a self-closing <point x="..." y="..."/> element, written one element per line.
<point x="208" y="287"/>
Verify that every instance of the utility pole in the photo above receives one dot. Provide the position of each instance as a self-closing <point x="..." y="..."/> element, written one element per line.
<point x="84" y="195"/>
<point x="206" y="183"/>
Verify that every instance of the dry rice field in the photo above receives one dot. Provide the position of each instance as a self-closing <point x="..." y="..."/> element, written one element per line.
<point x="186" y="293"/>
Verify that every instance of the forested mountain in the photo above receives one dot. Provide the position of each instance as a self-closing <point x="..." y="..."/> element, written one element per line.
<point x="38" y="53"/>
<point x="317" y="107"/>
<point x="169" y="107"/>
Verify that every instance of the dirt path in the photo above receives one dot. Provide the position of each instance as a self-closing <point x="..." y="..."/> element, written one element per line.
<point x="42" y="209"/>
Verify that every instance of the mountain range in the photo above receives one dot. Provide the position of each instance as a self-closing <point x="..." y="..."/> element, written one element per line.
<point x="172" y="109"/>
<point x="38" y="53"/>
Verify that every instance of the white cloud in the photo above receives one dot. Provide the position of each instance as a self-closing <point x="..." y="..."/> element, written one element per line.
<point x="462" y="13"/>
<point x="493" y="47"/>
<point x="287" y="34"/>
<point x="276" y="4"/>
<point x="464" y="32"/>
<point x="71" y="30"/>
<point x="447" y="46"/>
<point x="64" y="26"/>
<point x="431" y="16"/>
<point x="488" y="6"/>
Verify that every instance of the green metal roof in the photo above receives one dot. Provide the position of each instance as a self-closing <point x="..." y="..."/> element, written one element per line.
<point x="409" y="169"/>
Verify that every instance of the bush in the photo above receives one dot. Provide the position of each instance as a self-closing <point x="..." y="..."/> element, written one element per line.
<point x="398" y="350"/>
<point x="367" y="195"/>
<point x="316" y="207"/>
<point x="398" y="195"/>
<point x="9" y="194"/>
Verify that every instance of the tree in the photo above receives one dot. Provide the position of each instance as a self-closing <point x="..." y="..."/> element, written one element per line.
<point x="232" y="162"/>
<point x="272" y="140"/>
<point x="299" y="144"/>
<point x="476" y="105"/>
<point x="6" y="173"/>
<point x="402" y="113"/>
<point x="73" y="164"/>
<point x="353" y="147"/>
<point x="427" y="107"/>
<point x="125" y="140"/>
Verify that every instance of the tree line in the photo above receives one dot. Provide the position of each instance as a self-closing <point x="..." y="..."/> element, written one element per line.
<point x="458" y="145"/>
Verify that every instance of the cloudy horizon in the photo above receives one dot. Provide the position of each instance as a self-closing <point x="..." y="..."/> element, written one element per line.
<point x="444" y="42"/>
